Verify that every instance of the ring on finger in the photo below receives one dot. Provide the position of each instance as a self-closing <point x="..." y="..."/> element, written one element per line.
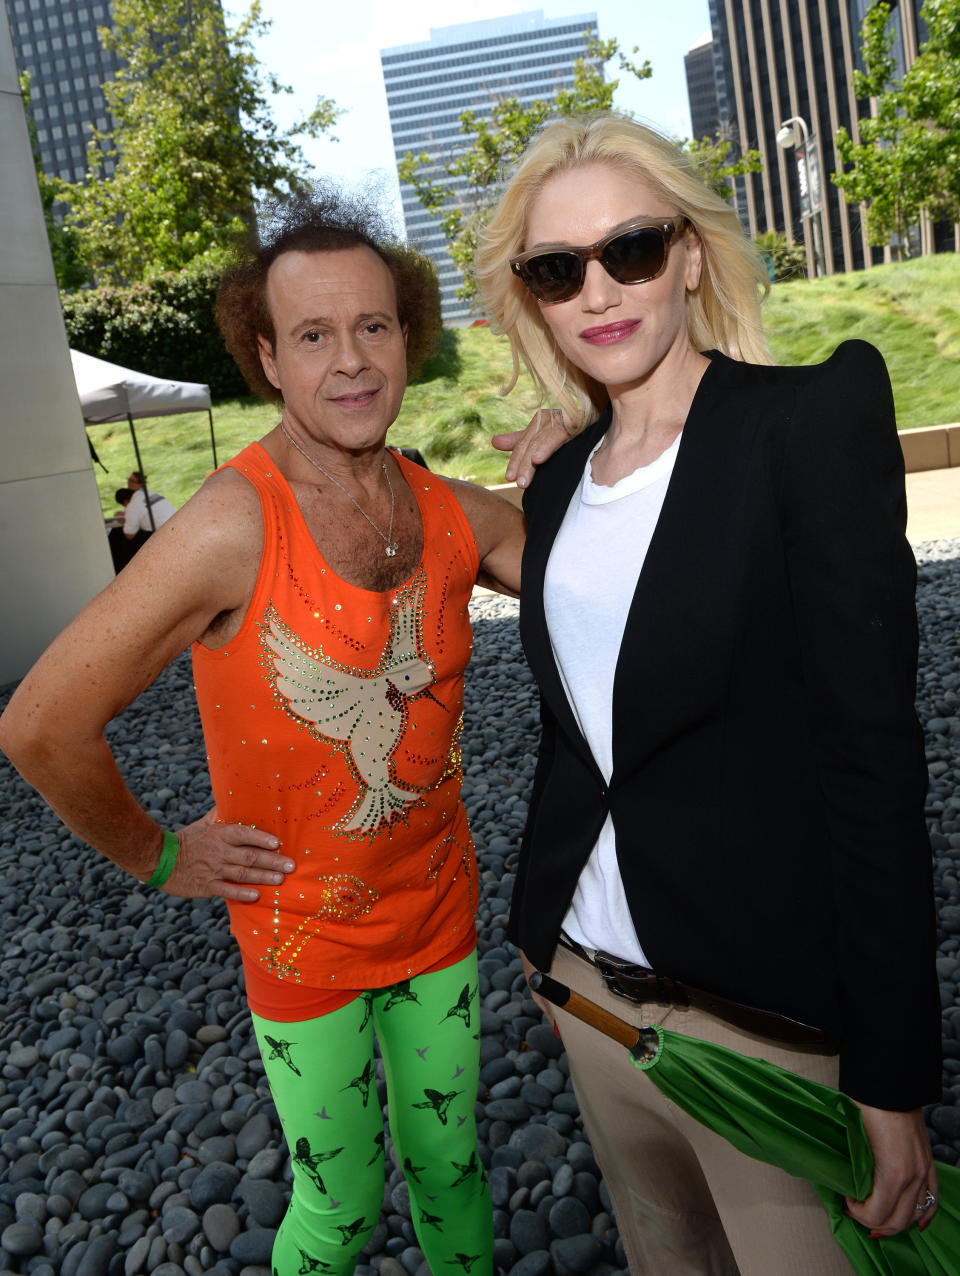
<point x="928" y="1201"/>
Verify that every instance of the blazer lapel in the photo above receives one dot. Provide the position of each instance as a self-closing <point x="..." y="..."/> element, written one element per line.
<point x="684" y="599"/>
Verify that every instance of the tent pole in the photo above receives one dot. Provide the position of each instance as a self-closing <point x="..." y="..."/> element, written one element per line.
<point x="146" y="493"/>
<point x="213" y="441"/>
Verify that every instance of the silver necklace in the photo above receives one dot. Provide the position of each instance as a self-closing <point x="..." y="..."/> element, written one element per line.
<point x="390" y="544"/>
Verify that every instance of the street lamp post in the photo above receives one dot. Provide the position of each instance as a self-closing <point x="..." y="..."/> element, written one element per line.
<point x="793" y="133"/>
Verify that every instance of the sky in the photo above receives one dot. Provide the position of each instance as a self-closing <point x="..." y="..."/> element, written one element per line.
<point x="333" y="48"/>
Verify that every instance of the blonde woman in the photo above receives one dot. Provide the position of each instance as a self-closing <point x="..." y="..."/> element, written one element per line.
<point x="718" y="604"/>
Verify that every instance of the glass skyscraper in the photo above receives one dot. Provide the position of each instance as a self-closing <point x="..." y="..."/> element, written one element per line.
<point x="781" y="59"/>
<point x="56" y="42"/>
<point x="470" y="66"/>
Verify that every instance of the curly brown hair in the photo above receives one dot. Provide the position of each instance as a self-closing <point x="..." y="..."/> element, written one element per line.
<point x="324" y="220"/>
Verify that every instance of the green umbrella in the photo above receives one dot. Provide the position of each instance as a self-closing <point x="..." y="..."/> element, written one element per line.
<point x="805" y="1128"/>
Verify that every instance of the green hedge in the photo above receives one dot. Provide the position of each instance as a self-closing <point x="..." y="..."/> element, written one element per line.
<point x="164" y="327"/>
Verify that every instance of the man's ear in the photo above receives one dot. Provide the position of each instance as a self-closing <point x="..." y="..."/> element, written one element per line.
<point x="267" y="361"/>
<point x="405" y="329"/>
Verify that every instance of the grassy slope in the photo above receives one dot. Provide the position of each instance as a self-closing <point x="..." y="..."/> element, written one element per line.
<point x="911" y="311"/>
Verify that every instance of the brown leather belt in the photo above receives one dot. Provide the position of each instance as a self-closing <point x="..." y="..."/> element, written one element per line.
<point x="639" y="984"/>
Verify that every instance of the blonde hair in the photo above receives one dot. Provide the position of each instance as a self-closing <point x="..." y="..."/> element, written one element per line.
<point x="722" y="313"/>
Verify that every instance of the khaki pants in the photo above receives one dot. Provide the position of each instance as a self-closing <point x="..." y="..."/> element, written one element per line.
<point x="687" y="1203"/>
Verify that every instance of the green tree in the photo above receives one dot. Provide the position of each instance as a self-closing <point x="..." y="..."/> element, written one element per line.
<point x="788" y="260"/>
<point x="492" y="143"/>
<point x="908" y="158"/>
<point x="717" y="168"/>
<point x="193" y="141"/>
<point x="70" y="270"/>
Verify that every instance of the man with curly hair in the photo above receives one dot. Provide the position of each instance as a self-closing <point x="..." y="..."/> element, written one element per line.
<point x="323" y="582"/>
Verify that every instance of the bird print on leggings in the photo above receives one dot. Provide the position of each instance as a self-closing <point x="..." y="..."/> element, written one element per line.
<point x="310" y="1162"/>
<point x="281" y="1050"/>
<point x="399" y="993"/>
<point x="462" y="1009"/>
<point x="438" y="1102"/>
<point x="362" y="1082"/>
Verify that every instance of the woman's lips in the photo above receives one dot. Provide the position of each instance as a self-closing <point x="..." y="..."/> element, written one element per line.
<point x="609" y="333"/>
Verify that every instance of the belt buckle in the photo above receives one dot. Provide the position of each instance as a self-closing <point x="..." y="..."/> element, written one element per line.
<point x="648" y="985"/>
<point x="611" y="968"/>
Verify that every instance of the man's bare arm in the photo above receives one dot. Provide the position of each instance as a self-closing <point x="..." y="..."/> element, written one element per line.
<point x="499" y="529"/>
<point x="194" y="574"/>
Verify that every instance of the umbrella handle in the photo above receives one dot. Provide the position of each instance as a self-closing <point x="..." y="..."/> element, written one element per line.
<point x="643" y="1042"/>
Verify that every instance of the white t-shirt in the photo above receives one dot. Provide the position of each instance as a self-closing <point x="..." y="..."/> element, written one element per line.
<point x="136" y="518"/>
<point x="590" y="581"/>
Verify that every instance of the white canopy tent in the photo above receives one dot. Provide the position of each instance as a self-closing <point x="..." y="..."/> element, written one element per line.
<point x="109" y="392"/>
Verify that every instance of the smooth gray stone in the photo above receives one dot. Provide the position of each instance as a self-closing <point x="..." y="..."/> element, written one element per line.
<point x="214" y="1185"/>
<point x="22" y="1239"/>
<point x="502" y="1182"/>
<point x="257" y="1132"/>
<point x="93" y="1202"/>
<point x="23" y="1057"/>
<point x="97" y="1254"/>
<point x="528" y="1232"/>
<point x="577" y="1253"/>
<point x="180" y="1224"/>
<point x="253" y="1246"/>
<point x="512" y="1110"/>
<point x="221" y="1147"/>
<point x="31" y="1207"/>
<point x="136" y="1257"/>
<point x="265" y="1164"/>
<point x="266" y="1201"/>
<point x="537" y="1263"/>
<point x="569" y="1217"/>
<point x="537" y="1142"/>
<point x="220" y="1225"/>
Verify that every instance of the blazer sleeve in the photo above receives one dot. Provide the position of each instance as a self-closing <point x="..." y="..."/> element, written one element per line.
<point x="852" y="580"/>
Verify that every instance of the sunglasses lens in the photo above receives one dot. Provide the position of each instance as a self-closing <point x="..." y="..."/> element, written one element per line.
<point x="636" y="255"/>
<point x="553" y="276"/>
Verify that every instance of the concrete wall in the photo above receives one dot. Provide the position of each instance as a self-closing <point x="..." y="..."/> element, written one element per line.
<point x="932" y="447"/>
<point x="55" y="555"/>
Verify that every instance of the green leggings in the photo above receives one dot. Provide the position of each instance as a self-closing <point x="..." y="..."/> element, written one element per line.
<point x="322" y="1080"/>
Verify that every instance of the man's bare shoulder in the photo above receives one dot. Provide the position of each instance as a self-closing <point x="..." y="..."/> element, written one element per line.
<point x="226" y="504"/>
<point x="481" y="502"/>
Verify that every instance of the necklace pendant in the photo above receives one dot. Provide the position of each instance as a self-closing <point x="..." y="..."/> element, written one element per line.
<point x="391" y="549"/>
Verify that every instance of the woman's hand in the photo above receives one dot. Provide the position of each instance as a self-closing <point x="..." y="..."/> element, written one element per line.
<point x="229" y="860"/>
<point x="546" y="1007"/>
<point x="531" y="447"/>
<point x="904" y="1173"/>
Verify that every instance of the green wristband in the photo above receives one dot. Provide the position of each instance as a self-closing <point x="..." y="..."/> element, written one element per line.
<point x="168" y="857"/>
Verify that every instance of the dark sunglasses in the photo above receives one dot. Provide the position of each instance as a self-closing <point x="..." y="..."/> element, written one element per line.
<point x="633" y="255"/>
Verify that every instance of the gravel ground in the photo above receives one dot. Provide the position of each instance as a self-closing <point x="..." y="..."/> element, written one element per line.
<point x="137" y="1133"/>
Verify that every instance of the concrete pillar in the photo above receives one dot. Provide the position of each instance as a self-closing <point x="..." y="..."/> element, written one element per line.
<point x="55" y="554"/>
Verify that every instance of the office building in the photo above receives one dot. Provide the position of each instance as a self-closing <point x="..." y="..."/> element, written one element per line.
<point x="470" y="66"/>
<point x="702" y="90"/>
<point x="56" y="41"/>
<point x="793" y="60"/>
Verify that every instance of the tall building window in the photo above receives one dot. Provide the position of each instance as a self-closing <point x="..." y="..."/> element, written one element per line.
<point x="465" y="67"/>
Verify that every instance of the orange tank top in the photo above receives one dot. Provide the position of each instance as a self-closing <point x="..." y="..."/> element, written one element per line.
<point x="333" y="720"/>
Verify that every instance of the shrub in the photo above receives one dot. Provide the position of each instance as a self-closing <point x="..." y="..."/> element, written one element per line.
<point x="789" y="260"/>
<point x="164" y="327"/>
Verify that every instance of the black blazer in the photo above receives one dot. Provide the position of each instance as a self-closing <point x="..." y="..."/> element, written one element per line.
<point x="769" y="772"/>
